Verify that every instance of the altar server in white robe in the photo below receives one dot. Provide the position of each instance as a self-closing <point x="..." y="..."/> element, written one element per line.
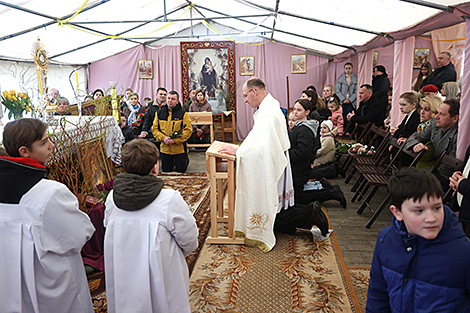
<point x="42" y="229"/>
<point x="149" y="231"/>
<point x="264" y="181"/>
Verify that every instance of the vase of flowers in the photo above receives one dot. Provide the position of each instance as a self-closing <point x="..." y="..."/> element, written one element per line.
<point x="16" y="103"/>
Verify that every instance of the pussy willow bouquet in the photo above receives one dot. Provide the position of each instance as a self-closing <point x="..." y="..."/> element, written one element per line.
<point x="177" y="133"/>
<point x="16" y="103"/>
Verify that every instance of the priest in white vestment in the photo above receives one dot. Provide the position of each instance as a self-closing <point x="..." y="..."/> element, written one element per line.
<point x="262" y="166"/>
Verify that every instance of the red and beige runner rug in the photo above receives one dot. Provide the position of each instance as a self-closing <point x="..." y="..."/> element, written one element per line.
<point x="297" y="275"/>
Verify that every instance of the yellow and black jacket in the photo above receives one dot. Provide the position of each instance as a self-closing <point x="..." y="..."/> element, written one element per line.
<point x="167" y="122"/>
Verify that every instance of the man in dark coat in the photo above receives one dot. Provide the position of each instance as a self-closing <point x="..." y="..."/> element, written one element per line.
<point x="445" y="72"/>
<point x="369" y="110"/>
<point x="149" y="116"/>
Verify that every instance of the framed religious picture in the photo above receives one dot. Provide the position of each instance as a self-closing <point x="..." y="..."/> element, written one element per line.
<point x="420" y="56"/>
<point x="375" y="58"/>
<point x="298" y="64"/>
<point x="247" y="66"/>
<point x="210" y="65"/>
<point x="145" y="68"/>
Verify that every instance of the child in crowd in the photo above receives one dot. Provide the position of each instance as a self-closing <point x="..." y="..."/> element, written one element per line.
<point x="422" y="261"/>
<point x="42" y="229"/>
<point x="327" y="151"/>
<point x="149" y="231"/>
<point x="127" y="132"/>
<point x="291" y="121"/>
<point x="336" y="115"/>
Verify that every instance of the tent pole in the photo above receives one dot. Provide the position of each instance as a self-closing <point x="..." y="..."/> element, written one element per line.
<point x="444" y="8"/>
<point x="100" y="41"/>
<point x="171" y="20"/>
<point x="43" y="15"/>
<point x="281" y="31"/>
<point x="275" y="18"/>
<point x="164" y="11"/>
<point x="191" y="16"/>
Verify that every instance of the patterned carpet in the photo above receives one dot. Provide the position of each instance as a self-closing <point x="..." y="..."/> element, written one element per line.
<point x="298" y="275"/>
<point x="194" y="188"/>
<point x="360" y="280"/>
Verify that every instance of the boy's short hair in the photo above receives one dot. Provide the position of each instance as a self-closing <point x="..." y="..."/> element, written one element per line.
<point x="139" y="156"/>
<point x="413" y="183"/>
<point x="22" y="132"/>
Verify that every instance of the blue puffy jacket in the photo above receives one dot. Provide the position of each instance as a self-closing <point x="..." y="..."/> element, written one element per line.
<point x="413" y="274"/>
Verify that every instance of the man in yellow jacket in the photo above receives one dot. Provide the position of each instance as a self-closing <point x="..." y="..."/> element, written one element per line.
<point x="172" y="127"/>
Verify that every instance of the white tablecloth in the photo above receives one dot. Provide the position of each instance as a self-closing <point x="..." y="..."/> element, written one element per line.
<point x="97" y="126"/>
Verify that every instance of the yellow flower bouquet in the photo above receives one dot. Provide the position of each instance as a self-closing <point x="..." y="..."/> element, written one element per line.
<point x="16" y="103"/>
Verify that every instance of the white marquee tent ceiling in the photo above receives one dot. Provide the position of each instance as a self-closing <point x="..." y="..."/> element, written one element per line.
<point x="306" y="24"/>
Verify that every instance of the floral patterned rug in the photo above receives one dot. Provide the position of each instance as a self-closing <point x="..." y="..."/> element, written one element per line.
<point x="360" y="280"/>
<point x="194" y="188"/>
<point x="297" y="275"/>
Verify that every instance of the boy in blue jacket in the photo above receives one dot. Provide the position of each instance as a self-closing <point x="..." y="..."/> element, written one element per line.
<point x="422" y="261"/>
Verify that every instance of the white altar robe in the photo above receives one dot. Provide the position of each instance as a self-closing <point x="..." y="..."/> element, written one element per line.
<point x="40" y="262"/>
<point x="261" y="162"/>
<point x="144" y="255"/>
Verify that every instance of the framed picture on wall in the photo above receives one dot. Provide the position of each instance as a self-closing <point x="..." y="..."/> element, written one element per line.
<point x="210" y="65"/>
<point x="420" y="56"/>
<point x="375" y="59"/>
<point x="247" y="66"/>
<point x="298" y="64"/>
<point x="145" y="68"/>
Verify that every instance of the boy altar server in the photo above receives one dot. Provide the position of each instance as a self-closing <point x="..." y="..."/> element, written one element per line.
<point x="41" y="229"/>
<point x="149" y="230"/>
<point x="422" y="261"/>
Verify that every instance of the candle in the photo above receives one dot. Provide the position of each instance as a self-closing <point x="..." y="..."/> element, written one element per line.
<point x="39" y="81"/>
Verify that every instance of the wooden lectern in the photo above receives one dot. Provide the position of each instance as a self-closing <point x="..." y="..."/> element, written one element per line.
<point x="202" y="118"/>
<point x="219" y="167"/>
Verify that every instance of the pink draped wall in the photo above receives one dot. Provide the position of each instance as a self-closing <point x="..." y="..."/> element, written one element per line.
<point x="272" y="65"/>
<point x="464" y="122"/>
<point x="455" y="48"/>
<point x="122" y="69"/>
<point x="364" y="65"/>
<point x="403" y="64"/>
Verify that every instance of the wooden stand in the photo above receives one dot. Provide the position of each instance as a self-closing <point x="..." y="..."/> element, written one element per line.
<point x="232" y="129"/>
<point x="202" y="118"/>
<point x="220" y="167"/>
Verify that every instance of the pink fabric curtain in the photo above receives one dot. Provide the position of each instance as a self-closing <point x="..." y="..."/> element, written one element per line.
<point x="386" y="57"/>
<point x="403" y="64"/>
<point x="244" y="111"/>
<point x="272" y="64"/>
<point x="456" y="48"/>
<point x="122" y="69"/>
<point x="167" y="69"/>
<point x="364" y="74"/>
<point x="464" y="123"/>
